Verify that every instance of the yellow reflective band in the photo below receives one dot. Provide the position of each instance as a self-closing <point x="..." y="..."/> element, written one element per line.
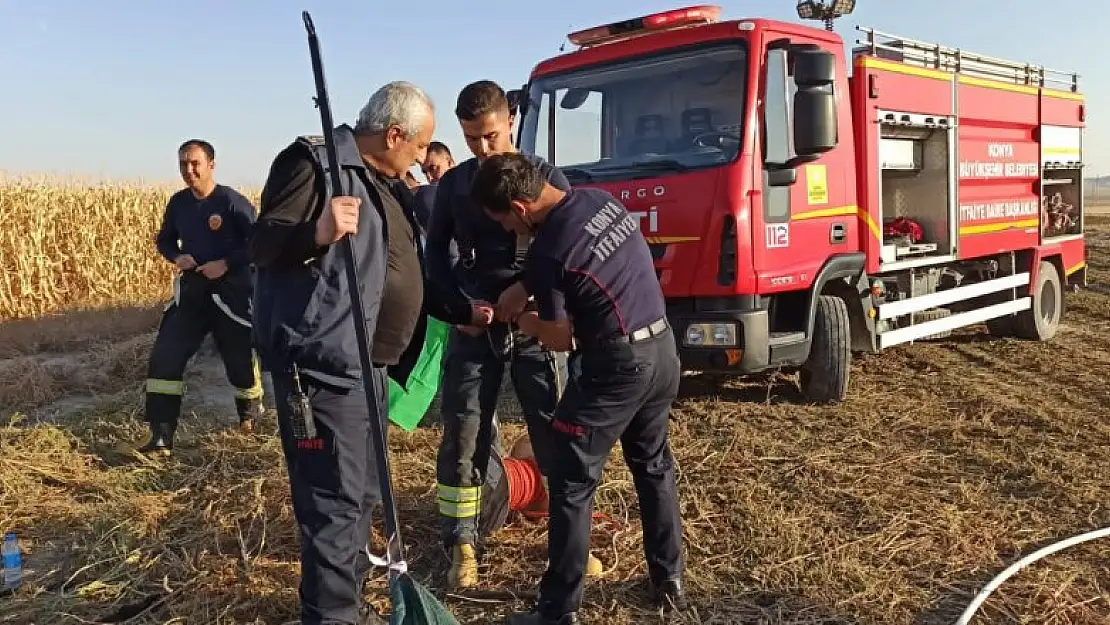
<point x="255" y="391"/>
<point x="459" y="502"/>
<point x="461" y="494"/>
<point x="165" y="387"/>
<point x="458" y="510"/>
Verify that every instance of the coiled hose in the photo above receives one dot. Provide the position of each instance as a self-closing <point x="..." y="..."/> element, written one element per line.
<point x="965" y="618"/>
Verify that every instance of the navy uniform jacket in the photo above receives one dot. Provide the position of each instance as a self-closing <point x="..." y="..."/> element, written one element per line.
<point x="302" y="309"/>
<point x="487" y="262"/>
<point x="424" y="198"/>
<point x="217" y="227"/>
<point x="590" y="262"/>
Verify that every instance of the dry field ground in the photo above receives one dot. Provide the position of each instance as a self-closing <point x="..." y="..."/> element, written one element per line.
<point x="950" y="461"/>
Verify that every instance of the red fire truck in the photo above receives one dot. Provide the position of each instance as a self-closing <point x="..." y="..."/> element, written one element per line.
<point x="798" y="214"/>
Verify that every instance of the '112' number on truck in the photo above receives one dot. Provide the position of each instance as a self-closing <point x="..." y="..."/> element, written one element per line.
<point x="778" y="235"/>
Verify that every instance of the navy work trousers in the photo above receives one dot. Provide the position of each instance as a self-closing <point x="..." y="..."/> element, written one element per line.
<point x="335" y="486"/>
<point x="623" y="391"/>
<point x="472" y="377"/>
<point x="202" y="306"/>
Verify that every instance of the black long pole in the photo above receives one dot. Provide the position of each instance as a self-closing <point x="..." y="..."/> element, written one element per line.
<point x="377" y="422"/>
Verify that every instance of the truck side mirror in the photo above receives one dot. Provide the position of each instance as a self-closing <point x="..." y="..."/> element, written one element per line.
<point x="814" y="68"/>
<point x="815" y="114"/>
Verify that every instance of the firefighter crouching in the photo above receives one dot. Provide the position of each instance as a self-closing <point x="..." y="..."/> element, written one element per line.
<point x="204" y="232"/>
<point x="595" y="288"/>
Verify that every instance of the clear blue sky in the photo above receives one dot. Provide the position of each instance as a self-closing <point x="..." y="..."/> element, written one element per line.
<point x="110" y="88"/>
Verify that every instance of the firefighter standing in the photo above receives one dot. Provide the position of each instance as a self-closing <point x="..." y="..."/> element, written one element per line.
<point x="489" y="267"/>
<point x="594" y="283"/>
<point x="204" y="233"/>
<point x="437" y="163"/>
<point x="306" y="337"/>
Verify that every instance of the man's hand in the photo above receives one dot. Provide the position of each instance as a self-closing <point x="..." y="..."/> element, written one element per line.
<point x="529" y="323"/>
<point x="340" y="217"/>
<point x="185" y="262"/>
<point x="213" y="269"/>
<point x="481" y="316"/>
<point x="481" y="313"/>
<point x="512" y="302"/>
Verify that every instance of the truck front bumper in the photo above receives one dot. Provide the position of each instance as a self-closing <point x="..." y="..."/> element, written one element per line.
<point x="733" y="342"/>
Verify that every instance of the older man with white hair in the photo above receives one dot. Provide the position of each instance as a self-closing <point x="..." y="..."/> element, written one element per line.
<point x="304" y="333"/>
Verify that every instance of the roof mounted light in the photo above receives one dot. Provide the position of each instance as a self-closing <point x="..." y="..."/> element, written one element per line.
<point x="675" y="18"/>
<point x="825" y="10"/>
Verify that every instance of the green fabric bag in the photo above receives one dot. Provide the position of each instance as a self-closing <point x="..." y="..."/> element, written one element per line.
<point x="407" y="409"/>
<point x="413" y="604"/>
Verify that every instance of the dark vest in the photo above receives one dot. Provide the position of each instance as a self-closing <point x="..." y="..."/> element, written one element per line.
<point x="303" y="315"/>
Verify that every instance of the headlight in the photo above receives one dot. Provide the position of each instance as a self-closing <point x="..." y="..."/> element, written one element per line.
<point x="711" y="335"/>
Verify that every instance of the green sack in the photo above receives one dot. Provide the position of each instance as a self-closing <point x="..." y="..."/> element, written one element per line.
<point x="413" y="604"/>
<point x="407" y="409"/>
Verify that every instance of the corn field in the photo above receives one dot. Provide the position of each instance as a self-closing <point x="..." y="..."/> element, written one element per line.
<point x="67" y="245"/>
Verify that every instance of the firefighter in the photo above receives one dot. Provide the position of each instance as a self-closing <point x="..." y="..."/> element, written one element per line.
<point x="305" y="335"/>
<point x="438" y="161"/>
<point x="489" y="264"/>
<point x="594" y="283"/>
<point x="204" y="233"/>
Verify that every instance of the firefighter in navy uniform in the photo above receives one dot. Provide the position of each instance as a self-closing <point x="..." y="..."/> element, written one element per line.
<point x="205" y="233"/>
<point x="489" y="267"/>
<point x="306" y="337"/>
<point x="595" y="288"/>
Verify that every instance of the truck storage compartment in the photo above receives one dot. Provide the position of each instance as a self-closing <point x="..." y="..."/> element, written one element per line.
<point x="914" y="159"/>
<point x="1061" y="202"/>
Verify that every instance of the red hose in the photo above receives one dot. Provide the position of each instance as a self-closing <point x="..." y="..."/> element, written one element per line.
<point x="525" y="483"/>
<point x="526" y="490"/>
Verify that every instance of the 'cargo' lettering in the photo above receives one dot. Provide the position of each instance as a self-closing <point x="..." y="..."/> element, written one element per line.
<point x="642" y="193"/>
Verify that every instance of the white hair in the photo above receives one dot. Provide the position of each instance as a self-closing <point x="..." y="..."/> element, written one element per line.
<point x="399" y="103"/>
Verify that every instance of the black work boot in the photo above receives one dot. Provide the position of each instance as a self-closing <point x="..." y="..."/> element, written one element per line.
<point x="249" y="411"/>
<point x="535" y="618"/>
<point x="670" y="594"/>
<point x="161" y="439"/>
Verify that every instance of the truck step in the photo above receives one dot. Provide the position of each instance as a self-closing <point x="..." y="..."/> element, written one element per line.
<point x="786" y="338"/>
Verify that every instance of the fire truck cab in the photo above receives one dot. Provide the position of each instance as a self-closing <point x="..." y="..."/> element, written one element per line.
<point x="797" y="213"/>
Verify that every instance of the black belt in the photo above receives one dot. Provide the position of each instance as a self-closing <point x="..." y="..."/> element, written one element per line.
<point x="651" y="330"/>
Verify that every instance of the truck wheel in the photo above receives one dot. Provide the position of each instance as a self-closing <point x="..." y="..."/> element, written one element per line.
<point x="824" y="376"/>
<point x="1042" y="320"/>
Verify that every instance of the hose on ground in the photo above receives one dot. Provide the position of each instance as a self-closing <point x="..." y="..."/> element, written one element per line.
<point x="974" y="606"/>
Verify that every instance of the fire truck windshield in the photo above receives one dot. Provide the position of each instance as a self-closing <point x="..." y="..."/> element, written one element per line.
<point x="645" y="116"/>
